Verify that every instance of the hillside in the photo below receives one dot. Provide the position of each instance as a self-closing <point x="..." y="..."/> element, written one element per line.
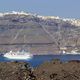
<point x="41" y="34"/>
<point x="53" y="70"/>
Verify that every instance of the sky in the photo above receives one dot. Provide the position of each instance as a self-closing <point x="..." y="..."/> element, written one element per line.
<point x="62" y="8"/>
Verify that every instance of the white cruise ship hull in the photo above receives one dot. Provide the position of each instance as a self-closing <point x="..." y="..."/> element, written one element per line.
<point x="18" y="57"/>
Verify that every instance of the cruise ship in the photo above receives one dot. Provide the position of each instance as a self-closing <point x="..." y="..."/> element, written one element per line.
<point x="18" y="55"/>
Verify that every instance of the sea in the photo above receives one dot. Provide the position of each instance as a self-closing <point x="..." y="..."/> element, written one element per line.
<point x="37" y="60"/>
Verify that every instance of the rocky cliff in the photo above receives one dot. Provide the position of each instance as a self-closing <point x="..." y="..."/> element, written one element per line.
<point x="53" y="70"/>
<point x="42" y="34"/>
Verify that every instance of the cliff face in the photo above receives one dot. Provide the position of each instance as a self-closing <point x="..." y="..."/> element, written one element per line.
<point x="48" y="33"/>
<point x="53" y="70"/>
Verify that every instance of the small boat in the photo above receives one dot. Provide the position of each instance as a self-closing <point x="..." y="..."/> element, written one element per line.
<point x="18" y="55"/>
<point x="62" y="52"/>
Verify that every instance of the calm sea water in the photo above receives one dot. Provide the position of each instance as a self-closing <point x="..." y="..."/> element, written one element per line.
<point x="37" y="60"/>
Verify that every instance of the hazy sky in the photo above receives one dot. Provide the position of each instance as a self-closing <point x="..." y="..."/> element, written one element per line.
<point x="62" y="8"/>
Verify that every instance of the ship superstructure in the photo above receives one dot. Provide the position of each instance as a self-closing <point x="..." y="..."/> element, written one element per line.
<point x="18" y="55"/>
